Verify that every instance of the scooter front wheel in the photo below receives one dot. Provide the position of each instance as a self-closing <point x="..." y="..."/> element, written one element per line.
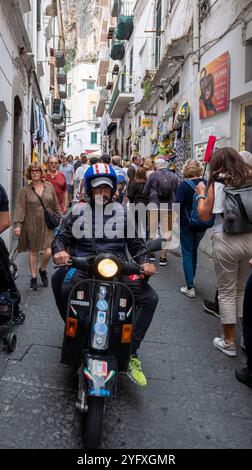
<point x="93" y="423"/>
<point x="11" y="342"/>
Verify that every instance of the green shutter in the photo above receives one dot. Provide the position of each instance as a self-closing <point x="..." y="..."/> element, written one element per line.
<point x="90" y="85"/>
<point x="93" y="137"/>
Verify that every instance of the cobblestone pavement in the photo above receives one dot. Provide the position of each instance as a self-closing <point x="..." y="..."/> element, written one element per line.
<point x="192" y="400"/>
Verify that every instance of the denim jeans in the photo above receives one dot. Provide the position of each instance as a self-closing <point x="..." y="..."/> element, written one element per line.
<point x="247" y="321"/>
<point x="189" y="246"/>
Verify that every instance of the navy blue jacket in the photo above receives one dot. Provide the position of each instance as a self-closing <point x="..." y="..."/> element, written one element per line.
<point x="78" y="234"/>
<point x="184" y="196"/>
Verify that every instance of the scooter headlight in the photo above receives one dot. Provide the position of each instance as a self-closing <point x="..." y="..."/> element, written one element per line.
<point x="107" y="266"/>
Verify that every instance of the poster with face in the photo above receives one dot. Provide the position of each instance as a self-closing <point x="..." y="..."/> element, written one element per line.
<point x="214" y="87"/>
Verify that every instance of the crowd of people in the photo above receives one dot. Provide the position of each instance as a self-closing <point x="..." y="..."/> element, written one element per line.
<point x="62" y="182"/>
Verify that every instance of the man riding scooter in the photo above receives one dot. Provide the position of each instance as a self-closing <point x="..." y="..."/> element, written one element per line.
<point x="100" y="185"/>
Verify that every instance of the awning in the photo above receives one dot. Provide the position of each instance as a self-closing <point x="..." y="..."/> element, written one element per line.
<point x="93" y="153"/>
<point x="89" y="151"/>
<point x="176" y="48"/>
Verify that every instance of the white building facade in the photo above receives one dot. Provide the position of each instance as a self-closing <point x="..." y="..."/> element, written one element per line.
<point x="28" y="88"/>
<point x="83" y="127"/>
<point x="158" y="83"/>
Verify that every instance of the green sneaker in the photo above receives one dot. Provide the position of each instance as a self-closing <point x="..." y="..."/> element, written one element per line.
<point x="135" y="372"/>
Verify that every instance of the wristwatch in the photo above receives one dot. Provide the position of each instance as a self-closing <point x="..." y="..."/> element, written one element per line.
<point x="201" y="196"/>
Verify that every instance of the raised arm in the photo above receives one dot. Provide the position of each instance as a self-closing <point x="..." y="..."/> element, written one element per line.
<point x="206" y="201"/>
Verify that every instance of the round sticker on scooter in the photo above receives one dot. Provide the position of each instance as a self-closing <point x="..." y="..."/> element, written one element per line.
<point x="100" y="329"/>
<point x="102" y="305"/>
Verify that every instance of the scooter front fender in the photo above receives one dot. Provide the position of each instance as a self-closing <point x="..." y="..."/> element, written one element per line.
<point x="100" y="374"/>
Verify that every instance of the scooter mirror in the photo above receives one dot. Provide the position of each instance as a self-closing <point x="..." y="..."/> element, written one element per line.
<point x="155" y="245"/>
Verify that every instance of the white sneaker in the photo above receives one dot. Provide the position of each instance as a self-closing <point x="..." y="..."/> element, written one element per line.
<point x="228" y="349"/>
<point x="188" y="292"/>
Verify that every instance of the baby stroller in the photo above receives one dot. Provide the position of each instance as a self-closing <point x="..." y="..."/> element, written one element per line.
<point x="10" y="313"/>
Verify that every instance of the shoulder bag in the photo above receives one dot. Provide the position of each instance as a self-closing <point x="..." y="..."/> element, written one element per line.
<point x="52" y="220"/>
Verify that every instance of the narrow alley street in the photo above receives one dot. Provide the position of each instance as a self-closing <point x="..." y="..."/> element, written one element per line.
<point x="115" y="112"/>
<point x="192" y="399"/>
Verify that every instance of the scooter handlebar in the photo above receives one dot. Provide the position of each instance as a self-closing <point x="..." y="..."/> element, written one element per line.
<point x="131" y="268"/>
<point x="81" y="263"/>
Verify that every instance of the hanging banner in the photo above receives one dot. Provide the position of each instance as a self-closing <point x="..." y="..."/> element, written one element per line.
<point x="214" y="87"/>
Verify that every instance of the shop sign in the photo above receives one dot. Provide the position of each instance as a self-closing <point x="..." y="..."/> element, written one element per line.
<point x="210" y="128"/>
<point x="214" y="87"/>
<point x="200" y="150"/>
<point x="146" y="122"/>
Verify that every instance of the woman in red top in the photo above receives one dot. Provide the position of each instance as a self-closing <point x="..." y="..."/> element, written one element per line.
<point x="58" y="180"/>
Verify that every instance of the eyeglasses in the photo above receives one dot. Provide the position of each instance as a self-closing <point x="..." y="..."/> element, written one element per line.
<point x="35" y="171"/>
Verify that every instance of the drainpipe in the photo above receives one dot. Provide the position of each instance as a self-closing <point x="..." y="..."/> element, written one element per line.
<point x="196" y="68"/>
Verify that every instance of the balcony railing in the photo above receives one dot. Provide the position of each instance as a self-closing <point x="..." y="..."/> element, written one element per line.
<point x="121" y="7"/>
<point x="62" y="92"/>
<point x="58" y="111"/>
<point x="62" y="78"/>
<point x="59" y="58"/>
<point x="127" y="8"/>
<point x="104" y="53"/>
<point x="101" y="102"/>
<point x="121" y="97"/>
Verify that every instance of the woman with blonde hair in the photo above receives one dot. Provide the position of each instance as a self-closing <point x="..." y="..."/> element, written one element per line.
<point x="149" y="166"/>
<point x="189" y="239"/>
<point x="29" y="221"/>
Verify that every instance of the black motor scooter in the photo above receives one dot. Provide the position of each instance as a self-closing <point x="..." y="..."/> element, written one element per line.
<point x="98" y="333"/>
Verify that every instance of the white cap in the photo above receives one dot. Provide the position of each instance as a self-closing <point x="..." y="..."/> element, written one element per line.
<point x="99" y="181"/>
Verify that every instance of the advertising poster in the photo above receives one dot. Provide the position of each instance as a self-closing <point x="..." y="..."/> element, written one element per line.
<point x="214" y="87"/>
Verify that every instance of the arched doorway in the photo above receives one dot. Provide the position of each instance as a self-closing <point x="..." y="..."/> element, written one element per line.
<point x="17" y="167"/>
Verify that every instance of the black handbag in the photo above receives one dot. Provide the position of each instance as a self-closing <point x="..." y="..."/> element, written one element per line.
<point x="52" y="221"/>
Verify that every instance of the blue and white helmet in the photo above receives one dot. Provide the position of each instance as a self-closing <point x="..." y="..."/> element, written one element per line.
<point x="103" y="174"/>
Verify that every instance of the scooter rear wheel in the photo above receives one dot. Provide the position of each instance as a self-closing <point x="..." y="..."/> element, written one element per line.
<point x="93" y="423"/>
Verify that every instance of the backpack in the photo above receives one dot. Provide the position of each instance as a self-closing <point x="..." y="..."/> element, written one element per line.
<point x="195" y="224"/>
<point x="238" y="210"/>
<point x="164" y="186"/>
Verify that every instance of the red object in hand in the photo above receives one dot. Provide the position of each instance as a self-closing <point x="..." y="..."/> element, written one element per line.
<point x="210" y="148"/>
